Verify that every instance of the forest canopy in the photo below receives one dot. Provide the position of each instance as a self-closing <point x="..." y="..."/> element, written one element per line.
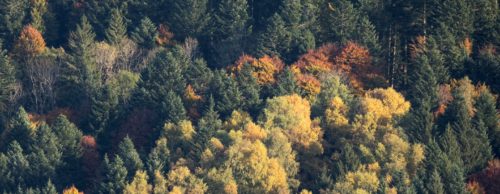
<point x="249" y="96"/>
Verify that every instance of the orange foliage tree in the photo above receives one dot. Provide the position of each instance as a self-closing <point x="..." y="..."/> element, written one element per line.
<point x="264" y="69"/>
<point x="30" y="42"/>
<point x="72" y="190"/>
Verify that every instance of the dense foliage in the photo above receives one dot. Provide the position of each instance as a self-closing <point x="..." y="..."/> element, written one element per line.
<point x="249" y="96"/>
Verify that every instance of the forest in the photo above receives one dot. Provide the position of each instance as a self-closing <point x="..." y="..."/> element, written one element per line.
<point x="249" y="96"/>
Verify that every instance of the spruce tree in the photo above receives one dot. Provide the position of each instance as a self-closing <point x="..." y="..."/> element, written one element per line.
<point x="188" y="18"/>
<point x="117" y="28"/>
<point x="487" y="114"/>
<point x="250" y="90"/>
<point x="228" y="32"/>
<point x="145" y="34"/>
<point x="45" y="155"/>
<point x="285" y="84"/>
<point x="435" y="185"/>
<point x="131" y="159"/>
<point x="207" y="126"/>
<point x="81" y="77"/>
<point x="339" y="21"/>
<point x="173" y="108"/>
<point x="7" y="84"/>
<point x="275" y="39"/>
<point x="486" y="17"/>
<point x="18" y="166"/>
<point x="159" y="157"/>
<point x="225" y="92"/>
<point x="20" y="129"/>
<point x="12" y="16"/>
<point x="422" y="93"/>
<point x="367" y="35"/>
<point x="114" y="176"/>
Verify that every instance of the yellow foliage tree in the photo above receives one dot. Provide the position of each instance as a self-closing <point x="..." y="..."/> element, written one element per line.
<point x="264" y="69"/>
<point x="292" y="114"/>
<point x="71" y="190"/>
<point x="384" y="104"/>
<point x="180" y="177"/>
<point x="139" y="184"/>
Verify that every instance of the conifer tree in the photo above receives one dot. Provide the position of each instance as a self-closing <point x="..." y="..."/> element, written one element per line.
<point x="275" y="39"/>
<point x="81" y="75"/>
<point x="367" y="36"/>
<point x="225" y="92"/>
<point x="158" y="158"/>
<point x="114" y="176"/>
<point x="188" y="18"/>
<point x="207" y="126"/>
<point x="45" y="155"/>
<point x="173" y="108"/>
<point x="487" y="114"/>
<point x="20" y="129"/>
<point x="130" y="157"/>
<point x="229" y="30"/>
<point x="117" y="28"/>
<point x="486" y="17"/>
<point x="38" y="9"/>
<point x="339" y="21"/>
<point x="17" y="167"/>
<point x="422" y="93"/>
<point x="145" y="34"/>
<point x="49" y="188"/>
<point x="7" y="83"/>
<point x="12" y="16"/>
<point x="285" y="84"/>
<point x="435" y="185"/>
<point x="250" y="90"/>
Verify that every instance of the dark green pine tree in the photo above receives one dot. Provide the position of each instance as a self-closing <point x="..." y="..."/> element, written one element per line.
<point x="348" y="161"/>
<point x="102" y="103"/>
<point x="80" y="77"/>
<point x="49" y="188"/>
<point x="486" y="69"/>
<point x="225" y="92"/>
<point x="450" y="145"/>
<point x="130" y="157"/>
<point x="275" y="39"/>
<point x="145" y="34"/>
<point x="451" y="170"/>
<point x="486" y="18"/>
<point x="172" y="108"/>
<point x="228" y="32"/>
<point x="285" y="84"/>
<point x="19" y="129"/>
<point x="207" y="126"/>
<point x="436" y="60"/>
<point x="475" y="148"/>
<point x="457" y="15"/>
<point x="367" y="35"/>
<point x="69" y="137"/>
<point x="250" y="90"/>
<point x="114" y="176"/>
<point x="199" y="76"/>
<point x="188" y="18"/>
<point x="45" y="155"/>
<point x="7" y="85"/>
<point x="422" y="93"/>
<point x="487" y="114"/>
<point x="17" y="167"/>
<point x="12" y="17"/>
<point x="158" y="158"/>
<point x="338" y="21"/>
<point x="435" y="184"/>
<point x="164" y="73"/>
<point x="117" y="28"/>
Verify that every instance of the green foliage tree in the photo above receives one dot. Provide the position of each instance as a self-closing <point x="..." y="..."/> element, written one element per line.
<point x="285" y="84"/>
<point x="224" y="89"/>
<point x="173" y="108"/>
<point x="131" y="159"/>
<point x="188" y="18"/>
<point x="250" y="90"/>
<point x="114" y="175"/>
<point x="228" y="31"/>
<point x="158" y="157"/>
<point x="7" y="84"/>
<point x="339" y="21"/>
<point x="487" y="114"/>
<point x="145" y="34"/>
<point x="13" y="14"/>
<point x="68" y="136"/>
<point x="117" y="28"/>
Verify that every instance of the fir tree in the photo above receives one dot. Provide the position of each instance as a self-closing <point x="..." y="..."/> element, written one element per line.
<point x="173" y="108"/>
<point x="145" y="34"/>
<point x="130" y="157"/>
<point x="250" y="90"/>
<point x="158" y="158"/>
<point x="275" y="39"/>
<point x="7" y="84"/>
<point x="422" y="93"/>
<point x="12" y="16"/>
<point x="339" y="21"/>
<point x="117" y="29"/>
<point x="226" y="93"/>
<point x="189" y="18"/>
<point x="285" y="84"/>
<point x="367" y="36"/>
<point x="114" y="176"/>
<point x="229" y="30"/>
<point x="435" y="185"/>
<point x="487" y="114"/>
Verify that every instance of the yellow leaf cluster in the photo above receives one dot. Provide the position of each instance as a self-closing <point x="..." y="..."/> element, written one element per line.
<point x="384" y="104"/>
<point x="139" y="184"/>
<point x="71" y="190"/>
<point x="264" y="69"/>
<point x="292" y="115"/>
